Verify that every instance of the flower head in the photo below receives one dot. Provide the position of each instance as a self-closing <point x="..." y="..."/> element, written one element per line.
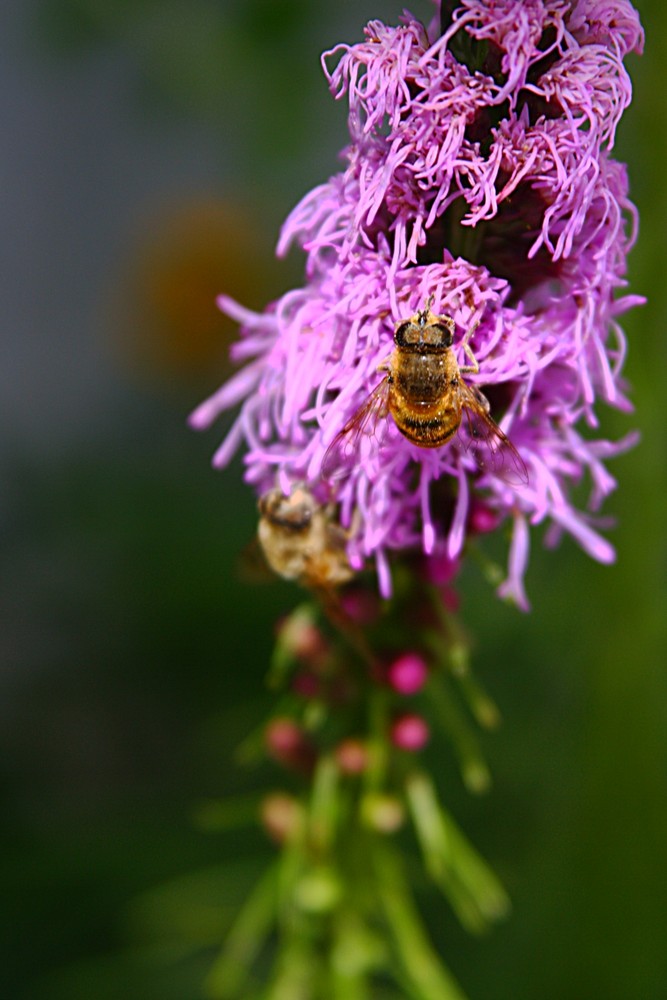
<point x="478" y="178"/>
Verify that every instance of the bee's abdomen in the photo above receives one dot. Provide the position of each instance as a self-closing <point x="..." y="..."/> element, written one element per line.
<point x="424" y="425"/>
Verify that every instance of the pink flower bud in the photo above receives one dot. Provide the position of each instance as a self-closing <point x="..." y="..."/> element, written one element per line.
<point x="361" y="606"/>
<point x="482" y="518"/>
<point x="289" y="745"/>
<point x="440" y="569"/>
<point x="303" y="640"/>
<point x="352" y="756"/>
<point x="410" y="732"/>
<point x="307" y="685"/>
<point x="407" y="674"/>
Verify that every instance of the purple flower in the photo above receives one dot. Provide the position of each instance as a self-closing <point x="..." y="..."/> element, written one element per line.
<point x="478" y="173"/>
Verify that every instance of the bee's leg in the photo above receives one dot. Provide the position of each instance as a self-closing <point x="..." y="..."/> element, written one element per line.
<point x="385" y="366"/>
<point x="474" y="364"/>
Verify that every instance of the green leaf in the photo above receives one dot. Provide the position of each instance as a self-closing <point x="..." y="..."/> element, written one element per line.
<point x="473" y="890"/>
<point x="357" y="950"/>
<point x="474" y="770"/>
<point x="426" y="975"/>
<point x="324" y="809"/>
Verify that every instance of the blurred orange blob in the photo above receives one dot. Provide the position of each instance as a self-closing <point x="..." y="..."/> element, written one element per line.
<point x="169" y="323"/>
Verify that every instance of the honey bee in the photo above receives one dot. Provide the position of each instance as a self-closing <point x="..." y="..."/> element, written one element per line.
<point x="301" y="540"/>
<point x="426" y="395"/>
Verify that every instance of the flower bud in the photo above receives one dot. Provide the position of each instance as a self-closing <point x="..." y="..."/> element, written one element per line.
<point x="307" y="685"/>
<point x="360" y="605"/>
<point x="302" y="639"/>
<point x="287" y="743"/>
<point x="407" y="674"/>
<point x="482" y="518"/>
<point x="441" y="569"/>
<point x="352" y="756"/>
<point x="410" y="732"/>
<point x="281" y="816"/>
<point x="382" y="812"/>
<point x="318" y="891"/>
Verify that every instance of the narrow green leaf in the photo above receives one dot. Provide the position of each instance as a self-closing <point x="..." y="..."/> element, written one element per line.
<point x="428" y="977"/>
<point x="245" y="940"/>
<point x="474" y="769"/>
<point x="297" y="971"/>
<point x="482" y="706"/>
<point x="473" y="890"/>
<point x="375" y="773"/>
<point x="357" y="949"/>
<point x="324" y="806"/>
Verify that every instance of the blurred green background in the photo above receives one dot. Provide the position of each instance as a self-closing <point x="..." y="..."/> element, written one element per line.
<point x="151" y="151"/>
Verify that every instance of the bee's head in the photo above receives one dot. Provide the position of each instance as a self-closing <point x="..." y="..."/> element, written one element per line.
<point x="293" y="513"/>
<point x="425" y="332"/>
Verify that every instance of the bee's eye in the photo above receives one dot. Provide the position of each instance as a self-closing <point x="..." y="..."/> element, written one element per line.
<point x="406" y="333"/>
<point x="440" y="334"/>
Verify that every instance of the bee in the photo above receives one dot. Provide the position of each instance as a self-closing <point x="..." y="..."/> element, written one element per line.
<point x="425" y="393"/>
<point x="301" y="540"/>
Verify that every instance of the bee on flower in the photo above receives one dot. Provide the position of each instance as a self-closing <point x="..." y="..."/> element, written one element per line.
<point x="478" y="181"/>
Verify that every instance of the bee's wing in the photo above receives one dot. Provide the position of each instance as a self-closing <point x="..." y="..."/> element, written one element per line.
<point x="341" y="453"/>
<point x="490" y="447"/>
<point x="252" y="565"/>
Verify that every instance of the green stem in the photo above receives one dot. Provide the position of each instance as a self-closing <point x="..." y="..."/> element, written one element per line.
<point x="422" y="967"/>
<point x="324" y="804"/>
<point x="474" y="770"/>
<point x="453" y="648"/>
<point x="375" y="773"/>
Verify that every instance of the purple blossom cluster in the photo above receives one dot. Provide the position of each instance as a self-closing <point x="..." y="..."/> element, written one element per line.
<point x="479" y="175"/>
